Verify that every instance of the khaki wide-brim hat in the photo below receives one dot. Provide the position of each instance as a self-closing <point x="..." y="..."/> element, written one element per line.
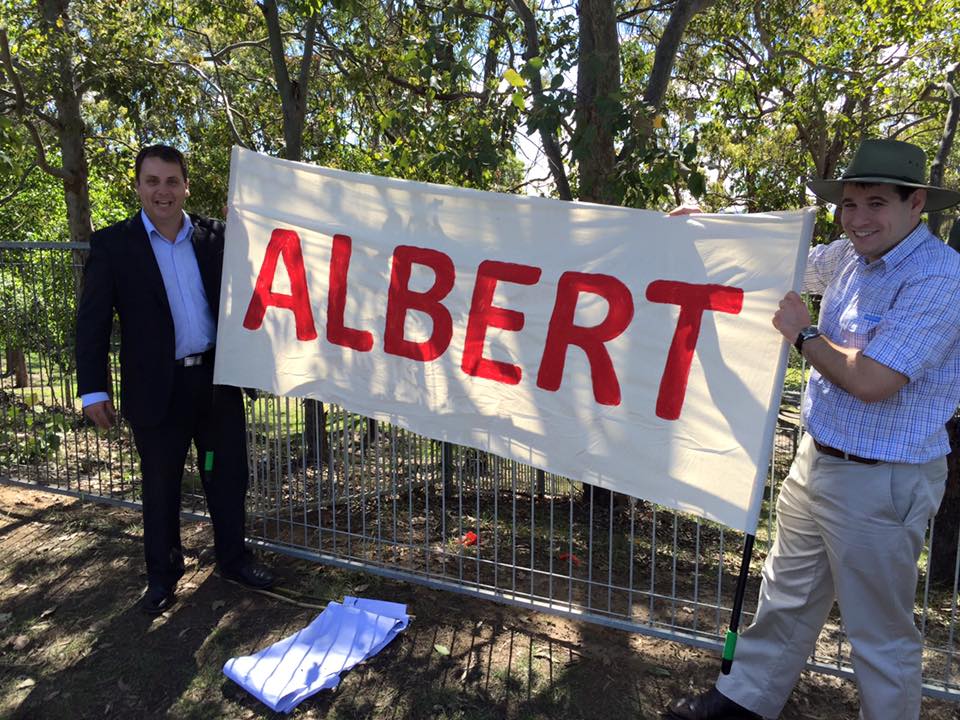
<point x="891" y="162"/>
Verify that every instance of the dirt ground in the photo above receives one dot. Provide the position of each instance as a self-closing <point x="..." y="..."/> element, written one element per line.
<point x="73" y="643"/>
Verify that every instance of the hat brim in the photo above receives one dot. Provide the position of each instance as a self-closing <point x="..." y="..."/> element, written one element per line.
<point x="832" y="191"/>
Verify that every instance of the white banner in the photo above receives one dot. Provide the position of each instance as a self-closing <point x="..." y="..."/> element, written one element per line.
<point x="614" y="346"/>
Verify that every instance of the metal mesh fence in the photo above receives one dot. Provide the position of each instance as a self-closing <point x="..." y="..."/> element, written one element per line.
<point x="345" y="490"/>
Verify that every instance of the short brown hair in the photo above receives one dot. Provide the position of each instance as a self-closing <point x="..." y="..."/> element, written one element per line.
<point x="165" y="153"/>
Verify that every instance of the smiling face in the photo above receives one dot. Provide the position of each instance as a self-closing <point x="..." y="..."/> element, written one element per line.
<point x="875" y="218"/>
<point x="162" y="190"/>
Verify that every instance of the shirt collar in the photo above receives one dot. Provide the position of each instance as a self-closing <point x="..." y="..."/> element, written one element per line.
<point x="186" y="230"/>
<point x="899" y="252"/>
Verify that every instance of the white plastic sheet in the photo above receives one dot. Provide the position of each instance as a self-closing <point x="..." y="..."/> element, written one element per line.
<point x="291" y="670"/>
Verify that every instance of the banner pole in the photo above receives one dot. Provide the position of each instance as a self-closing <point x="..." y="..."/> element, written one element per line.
<point x="730" y="644"/>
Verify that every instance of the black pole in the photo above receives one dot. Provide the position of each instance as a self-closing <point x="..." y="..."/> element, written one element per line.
<point x="730" y="644"/>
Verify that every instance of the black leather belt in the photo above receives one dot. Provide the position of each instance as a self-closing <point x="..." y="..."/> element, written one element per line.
<point x="193" y="360"/>
<point x="833" y="452"/>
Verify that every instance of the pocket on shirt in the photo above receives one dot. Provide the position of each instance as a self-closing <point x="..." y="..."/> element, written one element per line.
<point x="860" y="330"/>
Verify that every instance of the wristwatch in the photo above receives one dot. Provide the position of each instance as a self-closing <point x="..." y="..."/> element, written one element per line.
<point x="807" y="333"/>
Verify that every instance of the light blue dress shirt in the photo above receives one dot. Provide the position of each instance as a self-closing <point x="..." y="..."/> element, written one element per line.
<point x="902" y="310"/>
<point x="193" y="325"/>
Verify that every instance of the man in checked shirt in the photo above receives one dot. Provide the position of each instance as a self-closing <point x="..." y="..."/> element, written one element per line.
<point x="870" y="470"/>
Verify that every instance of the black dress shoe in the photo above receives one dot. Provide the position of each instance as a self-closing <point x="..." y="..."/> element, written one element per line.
<point x="157" y="599"/>
<point x="709" y="705"/>
<point x="251" y="574"/>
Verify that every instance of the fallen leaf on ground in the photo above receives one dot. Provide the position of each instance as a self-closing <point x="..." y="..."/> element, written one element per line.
<point x="442" y="649"/>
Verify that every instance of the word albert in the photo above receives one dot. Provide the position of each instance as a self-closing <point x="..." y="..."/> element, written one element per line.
<point x="693" y="299"/>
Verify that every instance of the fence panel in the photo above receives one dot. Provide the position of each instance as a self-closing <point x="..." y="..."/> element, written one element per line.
<point x="332" y="486"/>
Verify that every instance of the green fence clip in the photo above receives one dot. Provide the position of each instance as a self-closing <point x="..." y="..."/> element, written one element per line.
<point x="208" y="461"/>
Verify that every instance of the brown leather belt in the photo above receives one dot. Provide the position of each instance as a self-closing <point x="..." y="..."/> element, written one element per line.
<point x="833" y="452"/>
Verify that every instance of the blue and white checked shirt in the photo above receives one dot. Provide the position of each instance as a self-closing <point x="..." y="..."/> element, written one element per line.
<point x="903" y="311"/>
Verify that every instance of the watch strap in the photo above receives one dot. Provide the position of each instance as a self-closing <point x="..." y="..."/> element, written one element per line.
<point x="807" y="333"/>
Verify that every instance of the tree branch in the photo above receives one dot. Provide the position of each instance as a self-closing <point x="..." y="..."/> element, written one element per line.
<point x="551" y="146"/>
<point x="16" y="190"/>
<point x="637" y="10"/>
<point x="20" y="109"/>
<point x="259" y="44"/>
<point x="307" y="59"/>
<point x="666" y="52"/>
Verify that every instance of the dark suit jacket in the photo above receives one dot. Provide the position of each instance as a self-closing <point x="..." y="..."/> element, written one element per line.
<point x="121" y="273"/>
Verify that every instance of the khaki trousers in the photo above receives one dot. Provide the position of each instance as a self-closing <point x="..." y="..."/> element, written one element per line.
<point x="853" y="532"/>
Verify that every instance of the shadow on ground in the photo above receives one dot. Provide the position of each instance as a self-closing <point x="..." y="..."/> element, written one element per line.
<point x="74" y="645"/>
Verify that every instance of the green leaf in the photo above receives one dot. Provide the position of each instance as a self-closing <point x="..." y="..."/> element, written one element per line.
<point x="442" y="649"/>
<point x="696" y="183"/>
<point x="513" y="77"/>
<point x="517" y="99"/>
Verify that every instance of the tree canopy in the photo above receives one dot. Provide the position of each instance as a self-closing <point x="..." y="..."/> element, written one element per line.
<point x="727" y="102"/>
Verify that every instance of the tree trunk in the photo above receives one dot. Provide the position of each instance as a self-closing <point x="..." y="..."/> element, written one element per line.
<point x="946" y="141"/>
<point x="71" y="130"/>
<point x="293" y="93"/>
<point x="943" y="551"/>
<point x="954" y="239"/>
<point x="293" y="101"/>
<point x="598" y="84"/>
<point x="17" y="366"/>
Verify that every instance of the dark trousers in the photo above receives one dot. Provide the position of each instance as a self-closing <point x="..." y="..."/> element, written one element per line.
<point x="212" y="417"/>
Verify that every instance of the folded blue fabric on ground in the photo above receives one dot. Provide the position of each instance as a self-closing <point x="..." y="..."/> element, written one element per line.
<point x="311" y="660"/>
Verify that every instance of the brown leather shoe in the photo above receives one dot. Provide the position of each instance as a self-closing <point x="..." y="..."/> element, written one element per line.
<point x="709" y="705"/>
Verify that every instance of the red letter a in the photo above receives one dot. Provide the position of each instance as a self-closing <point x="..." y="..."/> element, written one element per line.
<point x="400" y="299"/>
<point x="285" y="243"/>
<point x="693" y="300"/>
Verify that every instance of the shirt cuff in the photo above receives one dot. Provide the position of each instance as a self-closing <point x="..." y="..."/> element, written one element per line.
<point x="93" y="398"/>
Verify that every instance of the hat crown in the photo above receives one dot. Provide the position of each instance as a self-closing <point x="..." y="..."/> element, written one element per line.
<point x="891" y="159"/>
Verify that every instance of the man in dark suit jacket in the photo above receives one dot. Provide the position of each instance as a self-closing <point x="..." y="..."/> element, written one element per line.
<point x="160" y="271"/>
